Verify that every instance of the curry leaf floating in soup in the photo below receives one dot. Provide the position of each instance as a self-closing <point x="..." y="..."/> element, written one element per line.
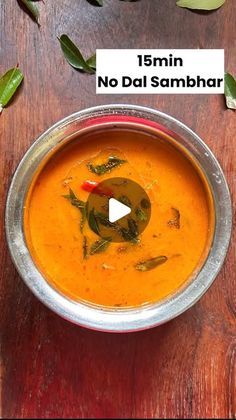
<point x="63" y="234"/>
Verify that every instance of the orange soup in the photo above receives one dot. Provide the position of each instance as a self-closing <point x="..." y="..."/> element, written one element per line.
<point x="143" y="268"/>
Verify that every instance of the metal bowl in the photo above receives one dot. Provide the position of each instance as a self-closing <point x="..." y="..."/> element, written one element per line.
<point x="118" y="319"/>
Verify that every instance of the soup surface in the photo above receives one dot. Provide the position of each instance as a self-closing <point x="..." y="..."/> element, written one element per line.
<point x="145" y="269"/>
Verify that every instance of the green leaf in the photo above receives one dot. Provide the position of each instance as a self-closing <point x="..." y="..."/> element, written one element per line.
<point x="74" y="56"/>
<point x="201" y="4"/>
<point x="125" y="200"/>
<point x="92" y="220"/>
<point x="32" y="9"/>
<point x="98" y="2"/>
<point x="151" y="264"/>
<point x="104" y="220"/>
<point x="145" y="204"/>
<point x="9" y="83"/>
<point x="74" y="200"/>
<point x="79" y="204"/>
<point x="141" y="214"/>
<point x="100" y="246"/>
<point x="133" y="228"/>
<point x="92" y="61"/>
<point x="230" y="91"/>
<point x="85" y="247"/>
<point x="131" y="233"/>
<point x="113" y="162"/>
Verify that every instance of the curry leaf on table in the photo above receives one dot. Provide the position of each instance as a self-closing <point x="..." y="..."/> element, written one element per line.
<point x="230" y="91"/>
<point x="74" y="56"/>
<point x="32" y="9"/>
<point x="92" y="61"/>
<point x="9" y="83"/>
<point x="97" y="2"/>
<point x="201" y="4"/>
<point x="151" y="263"/>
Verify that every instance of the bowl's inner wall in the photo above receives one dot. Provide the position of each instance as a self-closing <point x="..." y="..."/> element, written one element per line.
<point x="150" y="132"/>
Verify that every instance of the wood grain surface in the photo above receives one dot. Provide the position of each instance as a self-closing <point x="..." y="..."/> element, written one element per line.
<point x="50" y="368"/>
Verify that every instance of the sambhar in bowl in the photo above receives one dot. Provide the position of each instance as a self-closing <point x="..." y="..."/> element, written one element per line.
<point x="178" y="235"/>
<point x="149" y="277"/>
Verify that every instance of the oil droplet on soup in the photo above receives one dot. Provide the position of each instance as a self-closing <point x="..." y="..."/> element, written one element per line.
<point x="146" y="267"/>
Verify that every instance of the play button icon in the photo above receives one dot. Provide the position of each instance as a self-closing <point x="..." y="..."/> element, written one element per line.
<point x="118" y="209"/>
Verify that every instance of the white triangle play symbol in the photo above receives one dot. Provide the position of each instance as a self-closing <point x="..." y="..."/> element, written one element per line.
<point x="117" y="210"/>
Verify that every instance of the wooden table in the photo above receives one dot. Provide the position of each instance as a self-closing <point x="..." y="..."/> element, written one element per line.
<point x="49" y="367"/>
